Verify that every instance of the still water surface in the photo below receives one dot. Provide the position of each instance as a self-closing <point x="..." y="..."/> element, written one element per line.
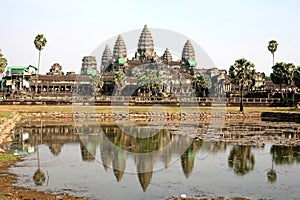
<point x="111" y="164"/>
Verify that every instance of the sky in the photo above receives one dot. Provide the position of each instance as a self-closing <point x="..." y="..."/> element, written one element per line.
<point x="226" y="30"/>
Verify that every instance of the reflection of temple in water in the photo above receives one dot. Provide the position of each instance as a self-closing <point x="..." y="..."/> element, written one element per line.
<point x="188" y="158"/>
<point x="115" y="146"/>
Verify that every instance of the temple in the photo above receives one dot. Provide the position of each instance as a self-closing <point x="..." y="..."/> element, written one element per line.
<point x="118" y="75"/>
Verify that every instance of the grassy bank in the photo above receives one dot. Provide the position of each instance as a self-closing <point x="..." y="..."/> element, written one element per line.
<point x="5" y="111"/>
<point x="5" y="114"/>
<point x="8" y="157"/>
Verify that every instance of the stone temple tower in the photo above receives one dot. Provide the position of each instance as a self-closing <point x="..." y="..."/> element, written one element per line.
<point x="119" y="55"/>
<point x="188" y="58"/>
<point x="106" y="58"/>
<point x="119" y="49"/>
<point x="188" y="51"/>
<point x="145" y="49"/>
<point x="167" y="56"/>
<point x="89" y="65"/>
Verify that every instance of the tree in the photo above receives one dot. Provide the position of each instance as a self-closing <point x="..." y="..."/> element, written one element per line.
<point x="203" y="81"/>
<point x="3" y="63"/>
<point x="272" y="47"/>
<point x="296" y="77"/>
<point x="242" y="74"/>
<point x="118" y="77"/>
<point x="39" y="42"/>
<point x="97" y="82"/>
<point x="283" y="73"/>
<point x="149" y="80"/>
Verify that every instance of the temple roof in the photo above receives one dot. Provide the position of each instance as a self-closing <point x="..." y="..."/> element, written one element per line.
<point x="167" y="55"/>
<point x="119" y="49"/>
<point x="106" y="56"/>
<point x="188" y="51"/>
<point x="145" y="42"/>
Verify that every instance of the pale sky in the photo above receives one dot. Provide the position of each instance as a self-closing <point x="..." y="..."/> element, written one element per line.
<point x="227" y="30"/>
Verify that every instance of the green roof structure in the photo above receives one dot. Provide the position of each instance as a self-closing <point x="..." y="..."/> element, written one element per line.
<point x="192" y="63"/>
<point x="122" y="61"/>
<point x="90" y="71"/>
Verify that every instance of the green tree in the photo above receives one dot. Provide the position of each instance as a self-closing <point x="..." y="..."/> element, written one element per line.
<point x="3" y="63"/>
<point x="118" y="77"/>
<point x="40" y="42"/>
<point x="283" y="73"/>
<point x="296" y="77"/>
<point x="97" y="82"/>
<point x="242" y="74"/>
<point x="150" y="80"/>
<point x="203" y="82"/>
<point x="272" y="47"/>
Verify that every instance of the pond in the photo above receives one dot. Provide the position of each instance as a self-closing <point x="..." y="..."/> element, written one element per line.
<point x="254" y="159"/>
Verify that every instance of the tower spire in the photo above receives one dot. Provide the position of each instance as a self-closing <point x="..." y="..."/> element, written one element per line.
<point x="119" y="49"/>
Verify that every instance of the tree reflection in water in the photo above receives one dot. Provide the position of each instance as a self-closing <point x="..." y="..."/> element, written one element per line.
<point x="282" y="155"/>
<point x="241" y="159"/>
<point x="272" y="176"/>
<point x="285" y="154"/>
<point x="39" y="176"/>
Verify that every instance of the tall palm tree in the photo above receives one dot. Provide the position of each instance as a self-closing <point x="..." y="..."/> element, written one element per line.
<point x="242" y="73"/>
<point x="39" y="42"/>
<point x="272" y="47"/>
<point x="3" y="63"/>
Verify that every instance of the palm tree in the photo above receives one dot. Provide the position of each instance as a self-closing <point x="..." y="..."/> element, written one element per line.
<point x="39" y="42"/>
<point x="272" y="47"/>
<point x="3" y="63"/>
<point x="242" y="73"/>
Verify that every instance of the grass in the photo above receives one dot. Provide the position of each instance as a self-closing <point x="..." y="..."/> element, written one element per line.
<point x="4" y="195"/>
<point x="5" y="111"/>
<point x="8" y="157"/>
<point x="6" y="114"/>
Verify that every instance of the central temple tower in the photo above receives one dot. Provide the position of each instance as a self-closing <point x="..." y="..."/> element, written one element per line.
<point x="145" y="49"/>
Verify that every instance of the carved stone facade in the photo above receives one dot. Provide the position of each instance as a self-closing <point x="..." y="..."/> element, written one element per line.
<point x="56" y="69"/>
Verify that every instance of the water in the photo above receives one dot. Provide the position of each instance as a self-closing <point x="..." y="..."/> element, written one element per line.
<point x="110" y="164"/>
